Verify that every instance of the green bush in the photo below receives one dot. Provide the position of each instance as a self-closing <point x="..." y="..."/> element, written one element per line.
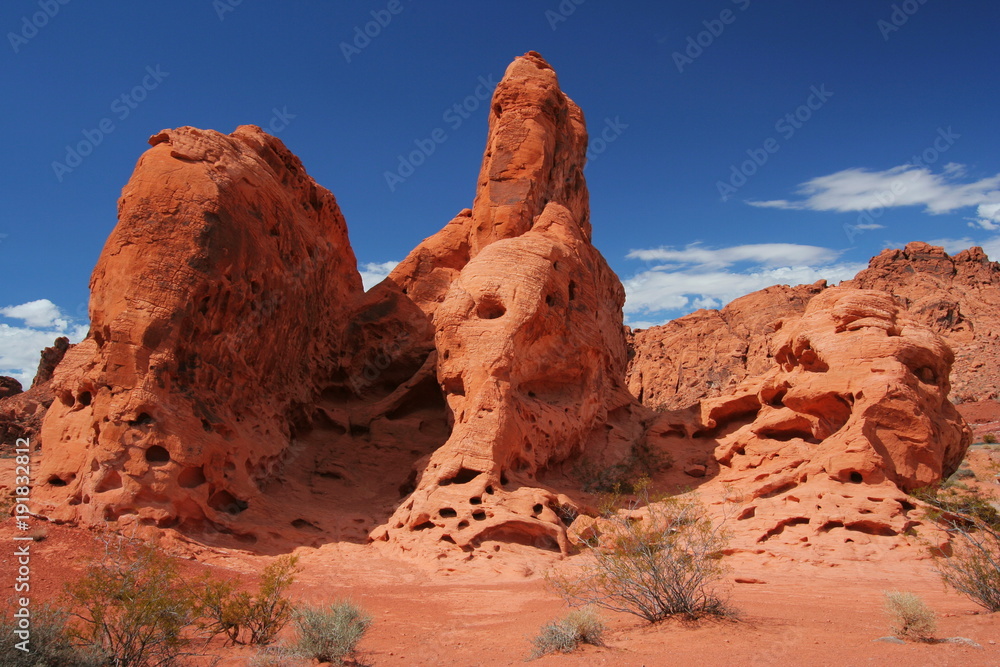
<point x="958" y="504"/>
<point x="132" y="605"/>
<point x="974" y="567"/>
<point x="627" y="475"/>
<point x="911" y="618"/>
<point x="246" y="618"/>
<point x="990" y="439"/>
<point x="49" y="645"/>
<point x="655" y="566"/>
<point x="331" y="634"/>
<point x="581" y="626"/>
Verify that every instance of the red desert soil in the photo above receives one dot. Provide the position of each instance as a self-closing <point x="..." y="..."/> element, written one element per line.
<point x="486" y="612"/>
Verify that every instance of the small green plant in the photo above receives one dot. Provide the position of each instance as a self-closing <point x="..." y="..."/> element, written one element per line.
<point x="131" y="605"/>
<point x="49" y="644"/>
<point x="332" y="633"/>
<point x="662" y="562"/>
<point x="958" y="503"/>
<point x="973" y="569"/>
<point x="246" y="618"/>
<point x="626" y="475"/>
<point x="910" y="617"/>
<point x="990" y="439"/>
<point x="580" y="626"/>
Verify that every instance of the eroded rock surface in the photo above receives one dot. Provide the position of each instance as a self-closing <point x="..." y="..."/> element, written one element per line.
<point x="853" y="413"/>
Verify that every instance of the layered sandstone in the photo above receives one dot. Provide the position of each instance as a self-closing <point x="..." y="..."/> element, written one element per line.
<point x="22" y="412"/>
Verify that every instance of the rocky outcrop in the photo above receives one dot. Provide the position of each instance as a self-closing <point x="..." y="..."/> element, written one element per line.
<point x="853" y="413"/>
<point x="708" y="352"/>
<point x="21" y="412"/>
<point x="527" y="318"/>
<point x="217" y="310"/>
<point x="958" y="297"/>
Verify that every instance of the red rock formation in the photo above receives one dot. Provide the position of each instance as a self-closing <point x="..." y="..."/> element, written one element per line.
<point x="958" y="297"/>
<point x="854" y="412"/>
<point x="708" y="352"/>
<point x="21" y="412"/>
<point x="216" y="311"/>
<point x="531" y="351"/>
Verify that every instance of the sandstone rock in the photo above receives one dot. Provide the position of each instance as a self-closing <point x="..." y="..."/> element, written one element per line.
<point x="527" y="314"/>
<point x="854" y="413"/>
<point x="51" y="356"/>
<point x="217" y="311"/>
<point x="709" y="352"/>
<point x="9" y="386"/>
<point x="958" y="297"/>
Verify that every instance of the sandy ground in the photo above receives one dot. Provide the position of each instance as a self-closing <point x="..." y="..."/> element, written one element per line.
<point x="485" y="614"/>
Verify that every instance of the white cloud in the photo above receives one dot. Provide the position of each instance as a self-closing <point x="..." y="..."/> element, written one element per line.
<point x="701" y="277"/>
<point x="375" y="272"/>
<point x="41" y="313"/>
<point x="20" y="346"/>
<point x="905" y="185"/>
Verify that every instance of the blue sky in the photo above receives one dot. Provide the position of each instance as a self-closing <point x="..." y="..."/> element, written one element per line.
<point x="745" y="143"/>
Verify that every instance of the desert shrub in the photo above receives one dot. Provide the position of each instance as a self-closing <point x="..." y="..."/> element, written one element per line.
<point x="49" y="644"/>
<point x="332" y="633"/>
<point x="973" y="569"/>
<point x="243" y="617"/>
<point x="132" y="605"/>
<point x="910" y="617"/>
<point x="665" y="563"/>
<point x="958" y="504"/>
<point x="990" y="439"/>
<point x="627" y="475"/>
<point x="580" y="626"/>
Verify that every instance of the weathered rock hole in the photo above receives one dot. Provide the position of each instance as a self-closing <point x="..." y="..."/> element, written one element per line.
<point x="67" y="399"/>
<point x="490" y="308"/>
<point x="302" y="524"/>
<point x="475" y="501"/>
<point x="84" y="398"/>
<point x="447" y="513"/>
<point x="143" y="419"/>
<point x="489" y="489"/>
<point x="424" y="525"/>
<point x="463" y="524"/>
<point x="572" y="290"/>
<point x="537" y="509"/>
<point x="856" y="477"/>
<point x="223" y="501"/>
<point x="747" y="513"/>
<point x="463" y="476"/>
<point x="830" y="525"/>
<point x="448" y="538"/>
<point x="479" y="515"/>
<point x="157" y="455"/>
<point x="191" y="478"/>
<point x="206" y="426"/>
<point x="56" y="480"/>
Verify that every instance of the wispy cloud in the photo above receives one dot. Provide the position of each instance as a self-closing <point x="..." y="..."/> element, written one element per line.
<point x="20" y="345"/>
<point x="702" y="277"/>
<point x="905" y="185"/>
<point x="372" y="273"/>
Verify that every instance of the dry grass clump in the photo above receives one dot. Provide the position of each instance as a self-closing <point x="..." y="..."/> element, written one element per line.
<point x="911" y="618"/>
<point x="580" y="626"/>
